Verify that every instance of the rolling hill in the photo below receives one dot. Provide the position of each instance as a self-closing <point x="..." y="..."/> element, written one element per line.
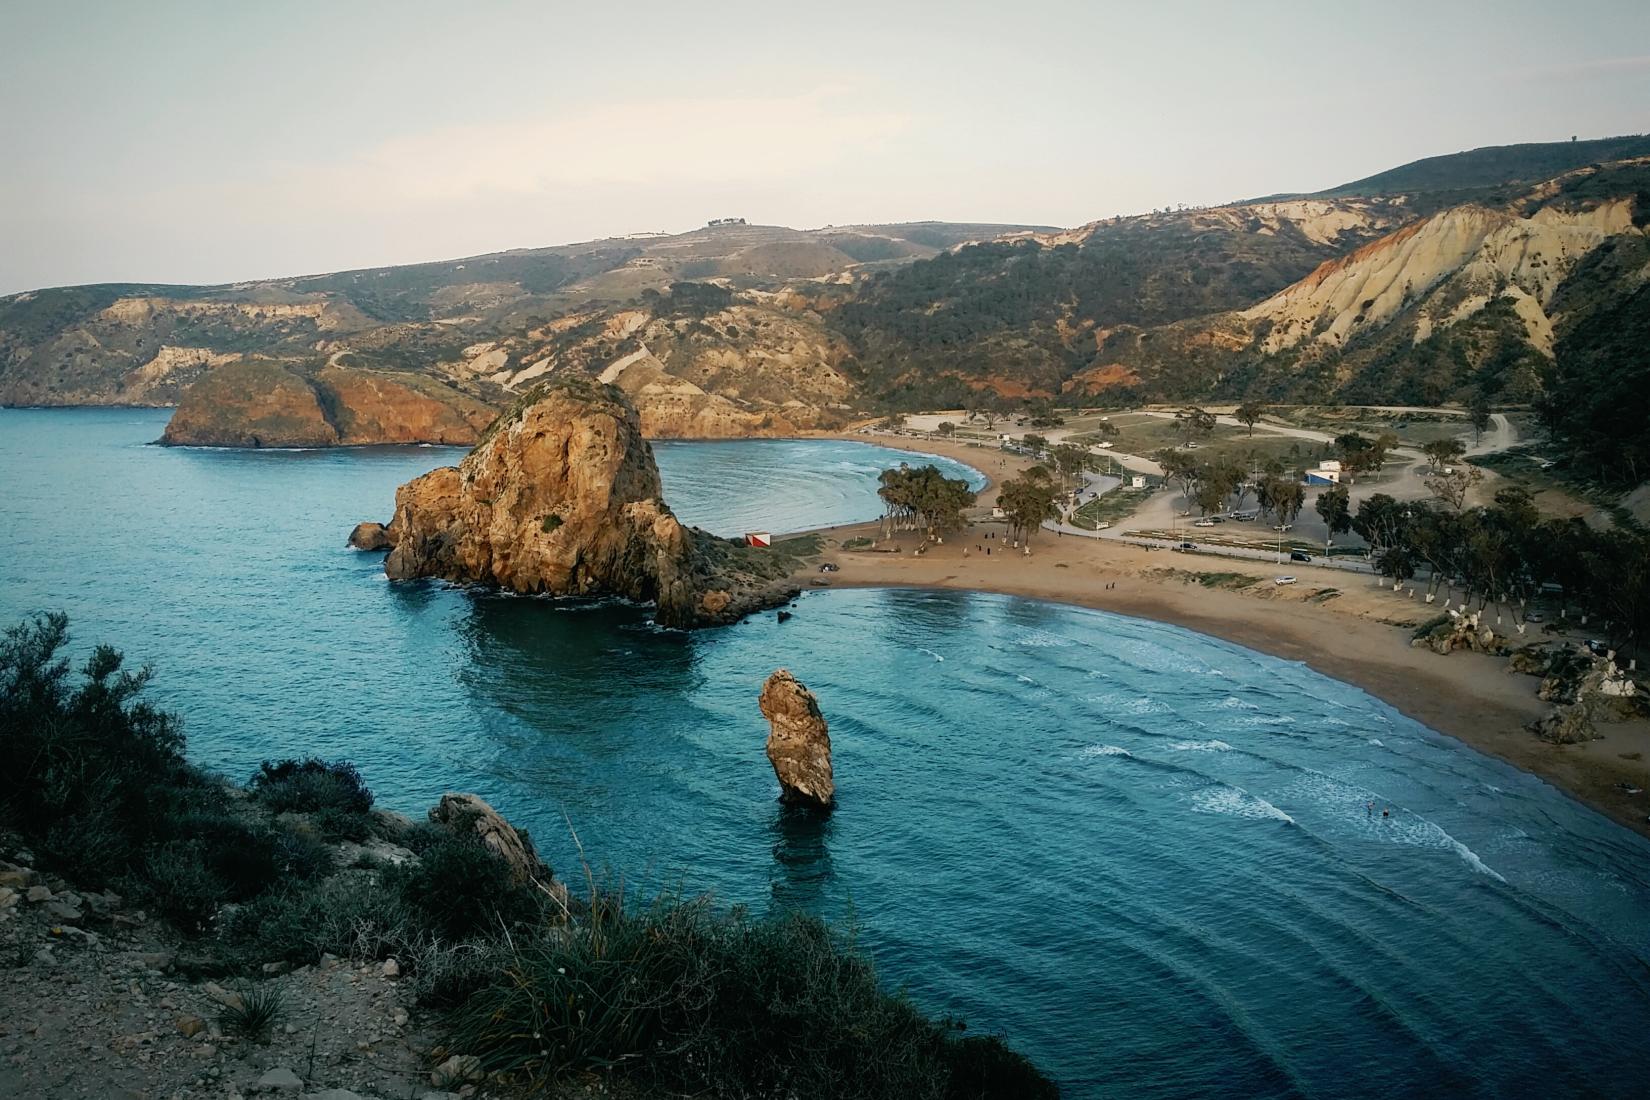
<point x="1504" y="272"/>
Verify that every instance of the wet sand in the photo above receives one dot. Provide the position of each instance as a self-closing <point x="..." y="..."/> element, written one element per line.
<point x="1341" y="624"/>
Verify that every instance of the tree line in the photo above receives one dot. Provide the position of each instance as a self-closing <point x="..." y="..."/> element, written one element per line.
<point x="1502" y="555"/>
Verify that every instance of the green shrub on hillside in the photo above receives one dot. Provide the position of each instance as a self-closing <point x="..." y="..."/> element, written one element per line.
<point x="81" y="763"/>
<point x="709" y="1002"/>
<point x="309" y="785"/>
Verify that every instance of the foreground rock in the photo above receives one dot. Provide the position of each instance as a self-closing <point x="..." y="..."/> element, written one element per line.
<point x="799" y="742"/>
<point x="470" y="815"/>
<point x="563" y="498"/>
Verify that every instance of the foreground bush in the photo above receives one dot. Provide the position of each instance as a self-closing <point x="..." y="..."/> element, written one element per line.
<point x="312" y="785"/>
<point x="95" y="778"/>
<point x="690" y="998"/>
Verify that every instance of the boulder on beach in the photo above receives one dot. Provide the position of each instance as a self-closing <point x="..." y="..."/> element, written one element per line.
<point x="799" y="742"/>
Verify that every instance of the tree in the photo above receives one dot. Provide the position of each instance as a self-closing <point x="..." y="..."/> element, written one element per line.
<point x="1181" y="467"/>
<point x="1036" y="444"/>
<point x="893" y="422"/>
<point x="1357" y="453"/>
<point x="1070" y="460"/>
<point x="1281" y="496"/>
<point x="1027" y="501"/>
<point x="1107" y="429"/>
<point x="1452" y="488"/>
<point x="1480" y="414"/>
<point x="947" y="428"/>
<point x="1194" y="423"/>
<point x="1378" y="450"/>
<point x="1334" y="505"/>
<point x="922" y="498"/>
<point x="1443" y="452"/>
<point x="1249" y="412"/>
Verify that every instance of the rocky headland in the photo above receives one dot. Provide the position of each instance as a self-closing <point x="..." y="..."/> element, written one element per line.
<point x="562" y="497"/>
<point x="267" y="404"/>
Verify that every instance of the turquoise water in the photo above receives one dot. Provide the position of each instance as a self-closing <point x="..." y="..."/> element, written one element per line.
<point x="1141" y="853"/>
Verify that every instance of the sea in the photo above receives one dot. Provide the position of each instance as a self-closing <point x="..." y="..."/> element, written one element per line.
<point x="1158" y="863"/>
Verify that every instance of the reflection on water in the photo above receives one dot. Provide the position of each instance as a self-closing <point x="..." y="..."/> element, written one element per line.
<point x="801" y="858"/>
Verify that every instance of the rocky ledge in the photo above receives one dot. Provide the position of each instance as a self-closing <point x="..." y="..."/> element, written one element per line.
<point x="562" y="497"/>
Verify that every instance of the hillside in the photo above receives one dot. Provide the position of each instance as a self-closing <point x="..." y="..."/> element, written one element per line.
<point x="1466" y="301"/>
<point x="1390" y="289"/>
<point x="455" y="322"/>
<point x="1493" y="166"/>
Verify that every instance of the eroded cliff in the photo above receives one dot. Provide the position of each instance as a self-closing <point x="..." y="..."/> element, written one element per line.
<point x="270" y="404"/>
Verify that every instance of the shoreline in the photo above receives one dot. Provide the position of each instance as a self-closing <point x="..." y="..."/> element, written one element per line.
<point x="1358" y="635"/>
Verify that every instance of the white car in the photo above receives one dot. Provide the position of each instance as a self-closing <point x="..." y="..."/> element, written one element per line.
<point x="1285" y="579"/>
<point x="1105" y="446"/>
<point x="1204" y="523"/>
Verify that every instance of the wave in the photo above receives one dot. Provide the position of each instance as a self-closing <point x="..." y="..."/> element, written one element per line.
<point x="1201" y="746"/>
<point x="1236" y="802"/>
<point x="931" y="653"/>
<point x="1105" y="750"/>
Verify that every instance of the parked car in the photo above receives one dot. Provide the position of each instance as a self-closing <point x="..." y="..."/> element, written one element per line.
<point x="1299" y="555"/>
<point x="1597" y="648"/>
<point x="1535" y="617"/>
<point x="828" y="567"/>
<point x="1193" y="446"/>
<point x="1204" y="523"/>
<point x="1285" y="579"/>
<point x="1187" y="546"/>
<point x="1102" y="525"/>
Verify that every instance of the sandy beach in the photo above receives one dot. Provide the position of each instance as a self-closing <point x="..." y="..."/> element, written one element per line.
<point x="1340" y="624"/>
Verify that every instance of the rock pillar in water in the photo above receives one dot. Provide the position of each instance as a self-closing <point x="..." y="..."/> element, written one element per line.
<point x="799" y="742"/>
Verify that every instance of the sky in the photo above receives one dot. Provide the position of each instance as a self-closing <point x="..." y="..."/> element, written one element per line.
<point x="208" y="142"/>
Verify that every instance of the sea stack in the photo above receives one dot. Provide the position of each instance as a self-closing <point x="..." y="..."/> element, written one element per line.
<point x="799" y="742"/>
<point x="562" y="497"/>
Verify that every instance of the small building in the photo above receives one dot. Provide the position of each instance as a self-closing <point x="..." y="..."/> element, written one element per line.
<point x="1138" y="481"/>
<point x="758" y="538"/>
<point x="1321" y="476"/>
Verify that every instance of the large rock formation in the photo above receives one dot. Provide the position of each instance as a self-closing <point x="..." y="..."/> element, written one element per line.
<point x="799" y="741"/>
<point x="562" y="497"/>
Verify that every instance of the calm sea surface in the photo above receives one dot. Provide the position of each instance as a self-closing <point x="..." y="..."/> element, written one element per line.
<point x="1142" y="854"/>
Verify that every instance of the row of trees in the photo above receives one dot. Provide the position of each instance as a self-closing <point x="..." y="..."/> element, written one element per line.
<point x="1504" y="553"/>
<point x="920" y="498"/>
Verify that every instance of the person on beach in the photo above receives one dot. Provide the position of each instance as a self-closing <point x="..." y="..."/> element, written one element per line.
<point x="1387" y="812"/>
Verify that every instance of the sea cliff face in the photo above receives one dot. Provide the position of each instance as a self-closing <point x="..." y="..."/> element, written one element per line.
<point x="562" y="497"/>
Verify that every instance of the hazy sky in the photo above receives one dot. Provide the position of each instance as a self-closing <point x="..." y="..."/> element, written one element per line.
<point x="207" y="142"/>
